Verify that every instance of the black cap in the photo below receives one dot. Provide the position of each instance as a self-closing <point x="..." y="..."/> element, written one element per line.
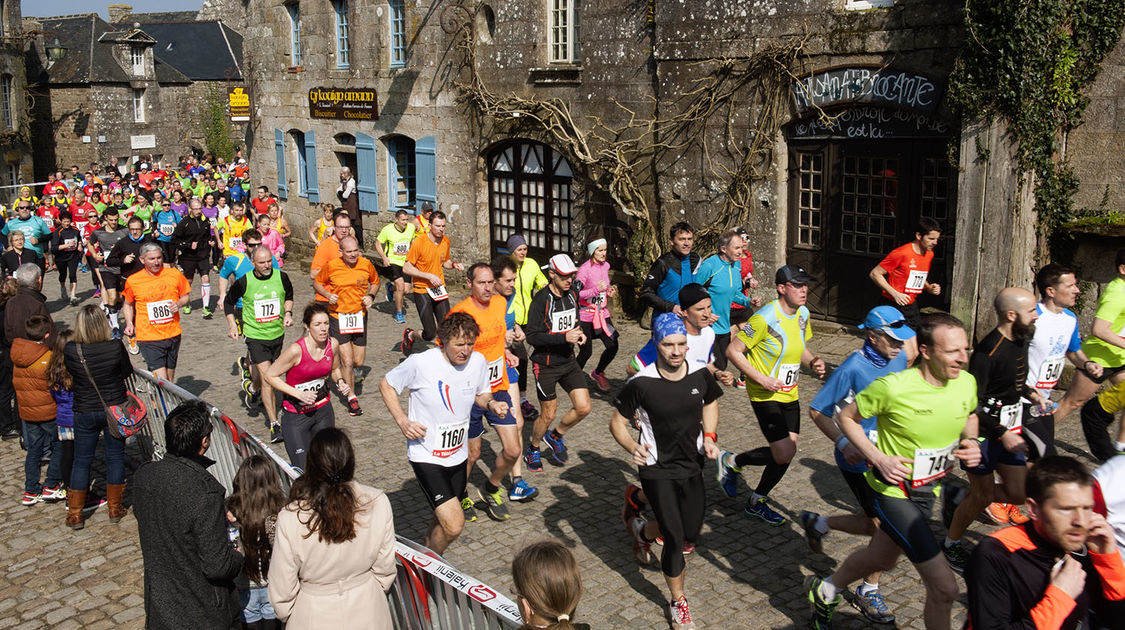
<point x="792" y="273"/>
<point x="692" y="294"/>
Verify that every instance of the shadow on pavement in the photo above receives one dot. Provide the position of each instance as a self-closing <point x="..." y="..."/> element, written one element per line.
<point x="826" y="480"/>
<point x="193" y="385"/>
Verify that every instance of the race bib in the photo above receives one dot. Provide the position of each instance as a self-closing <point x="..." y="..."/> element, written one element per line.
<point x="167" y="228"/>
<point x="599" y="299"/>
<point x="496" y="372"/>
<point x="50" y="221"/>
<point x="236" y="243"/>
<point x="70" y="242"/>
<point x="310" y="386"/>
<point x="787" y="373"/>
<point x="402" y="248"/>
<point x="1050" y="372"/>
<point x="450" y="438"/>
<point x="931" y="464"/>
<point x="915" y="282"/>
<point x="267" y="310"/>
<point x="160" y="312"/>
<point x="351" y="323"/>
<point x="438" y="294"/>
<point x="562" y="321"/>
<point x="1011" y="417"/>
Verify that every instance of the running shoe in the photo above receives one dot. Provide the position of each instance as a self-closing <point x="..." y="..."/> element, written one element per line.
<point x="558" y="448"/>
<point x="727" y="474"/>
<point x="244" y="366"/>
<point x="390" y="292"/>
<point x="529" y="411"/>
<point x="814" y="537"/>
<point x="760" y="509"/>
<point x="186" y="310"/>
<point x="207" y="313"/>
<point x="633" y="506"/>
<point x="681" y="616"/>
<point x="493" y="505"/>
<point x="353" y="407"/>
<point x="116" y="334"/>
<point x="248" y="387"/>
<point x="83" y="268"/>
<point x="1016" y="516"/>
<point x="953" y="496"/>
<point x="600" y="379"/>
<point x="822" y="609"/>
<point x="532" y="460"/>
<point x="53" y="494"/>
<point x="872" y="606"/>
<point x="956" y="555"/>
<point x="132" y="343"/>
<point x="469" y="510"/>
<point x="998" y="512"/>
<point x="400" y="318"/>
<point x="275" y="434"/>
<point x="74" y="301"/>
<point x="98" y="292"/>
<point x="642" y="549"/>
<point x="31" y="498"/>
<point x="522" y="491"/>
<point x="407" y="341"/>
<point x="687" y="549"/>
<point x="740" y="383"/>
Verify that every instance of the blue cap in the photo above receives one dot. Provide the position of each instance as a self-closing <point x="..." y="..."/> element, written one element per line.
<point x="889" y="320"/>
<point x="666" y="324"/>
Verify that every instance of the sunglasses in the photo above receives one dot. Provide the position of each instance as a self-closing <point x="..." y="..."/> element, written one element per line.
<point x="895" y="324"/>
<point x="25" y="207"/>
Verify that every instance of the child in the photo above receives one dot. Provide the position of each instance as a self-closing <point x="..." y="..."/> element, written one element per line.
<point x="62" y="391"/>
<point x="37" y="410"/>
<point x="271" y="238"/>
<point x="253" y="508"/>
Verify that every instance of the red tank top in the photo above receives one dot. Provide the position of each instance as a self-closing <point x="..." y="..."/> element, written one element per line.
<point x="308" y="375"/>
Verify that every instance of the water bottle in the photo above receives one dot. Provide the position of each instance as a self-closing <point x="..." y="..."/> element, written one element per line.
<point x="1037" y="413"/>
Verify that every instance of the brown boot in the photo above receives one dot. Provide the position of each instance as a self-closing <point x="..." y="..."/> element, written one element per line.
<point x="75" y="501"/>
<point x="113" y="494"/>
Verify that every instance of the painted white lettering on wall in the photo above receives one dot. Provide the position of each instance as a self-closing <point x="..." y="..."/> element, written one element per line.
<point x="865" y="85"/>
<point x="872" y="123"/>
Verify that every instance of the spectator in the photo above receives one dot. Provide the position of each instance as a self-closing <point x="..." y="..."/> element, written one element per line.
<point x="17" y="254"/>
<point x="26" y="302"/>
<point x="98" y="365"/>
<point x="349" y="201"/>
<point x="189" y="562"/>
<point x="62" y="390"/>
<point x="334" y="554"/>
<point x="8" y="288"/>
<point x="30" y="358"/>
<point x="548" y="586"/>
<point x="253" y="508"/>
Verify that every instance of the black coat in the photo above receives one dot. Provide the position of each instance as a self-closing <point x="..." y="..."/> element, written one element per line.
<point x="25" y="303"/>
<point x="10" y="260"/>
<point x="189" y="562"/>
<point x="109" y="365"/>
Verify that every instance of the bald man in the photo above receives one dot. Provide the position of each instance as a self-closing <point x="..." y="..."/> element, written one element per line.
<point x="999" y="364"/>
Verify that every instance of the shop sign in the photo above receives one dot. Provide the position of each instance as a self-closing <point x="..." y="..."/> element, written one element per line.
<point x="343" y="104"/>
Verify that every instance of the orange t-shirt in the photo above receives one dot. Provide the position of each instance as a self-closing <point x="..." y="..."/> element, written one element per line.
<point x="906" y="270"/>
<point x="428" y="257"/>
<point x="154" y="297"/>
<point x="326" y="251"/>
<point x="349" y="283"/>
<point x="491" y="342"/>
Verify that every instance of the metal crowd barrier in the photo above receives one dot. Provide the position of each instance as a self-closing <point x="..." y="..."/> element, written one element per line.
<point x="428" y="593"/>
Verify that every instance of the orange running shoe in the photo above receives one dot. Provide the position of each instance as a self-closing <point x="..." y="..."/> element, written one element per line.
<point x="1016" y="516"/>
<point x="999" y="513"/>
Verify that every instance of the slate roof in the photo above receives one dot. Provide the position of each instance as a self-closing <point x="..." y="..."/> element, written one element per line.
<point x="89" y="60"/>
<point x="201" y="51"/>
<point x="152" y="18"/>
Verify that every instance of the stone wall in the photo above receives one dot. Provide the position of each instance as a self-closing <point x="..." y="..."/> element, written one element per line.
<point x="1094" y="148"/>
<point x="15" y="143"/>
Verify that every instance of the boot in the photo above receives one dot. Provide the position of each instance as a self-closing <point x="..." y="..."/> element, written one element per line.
<point x="75" y="502"/>
<point x="113" y="494"/>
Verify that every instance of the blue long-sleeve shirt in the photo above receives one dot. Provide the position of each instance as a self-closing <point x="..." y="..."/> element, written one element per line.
<point x="723" y="281"/>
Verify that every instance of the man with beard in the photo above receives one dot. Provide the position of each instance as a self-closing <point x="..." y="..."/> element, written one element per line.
<point x="999" y="364"/>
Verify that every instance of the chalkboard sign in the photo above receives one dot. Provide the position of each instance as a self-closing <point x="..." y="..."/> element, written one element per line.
<point x="860" y="84"/>
<point x="869" y="123"/>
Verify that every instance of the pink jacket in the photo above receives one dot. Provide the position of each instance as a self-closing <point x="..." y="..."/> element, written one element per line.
<point x="590" y="274"/>
<point x="273" y="240"/>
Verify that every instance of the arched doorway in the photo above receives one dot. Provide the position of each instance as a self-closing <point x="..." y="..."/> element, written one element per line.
<point x="530" y="192"/>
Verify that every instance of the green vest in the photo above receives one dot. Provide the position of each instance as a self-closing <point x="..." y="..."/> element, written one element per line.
<point x="263" y="307"/>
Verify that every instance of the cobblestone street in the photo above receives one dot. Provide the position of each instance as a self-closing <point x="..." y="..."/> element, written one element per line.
<point x="744" y="574"/>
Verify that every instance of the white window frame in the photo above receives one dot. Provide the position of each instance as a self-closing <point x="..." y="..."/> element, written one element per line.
<point x="564" y="31"/>
<point x="863" y="5"/>
<point x="137" y="57"/>
<point x="8" y="112"/>
<point x="294" y="11"/>
<point x="138" y="105"/>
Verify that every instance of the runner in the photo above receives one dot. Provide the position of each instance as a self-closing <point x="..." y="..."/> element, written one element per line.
<point x="192" y="237"/>
<point x="669" y="273"/>
<point x="888" y="348"/>
<point x="902" y="275"/>
<point x="444" y="383"/>
<point x="66" y="243"/>
<point x="36" y="233"/>
<point x="721" y="276"/>
<point x="164" y="223"/>
<point x="392" y="244"/>
<point x="328" y="249"/>
<point x="101" y="243"/>
<point x="552" y="330"/>
<point x="529" y="280"/>
<point x="488" y="311"/>
<point x="676" y="407"/>
<point x="349" y="284"/>
<point x="153" y="299"/>
<point x="593" y="312"/>
<point x="770" y="350"/>
<point x="999" y="365"/>
<point x="914" y="454"/>
<point x="231" y="229"/>
<point x="322" y="227"/>
<point x="426" y="261"/>
<point x="695" y="304"/>
<point x="421" y="221"/>
<point x="263" y="300"/>
<point x="299" y="374"/>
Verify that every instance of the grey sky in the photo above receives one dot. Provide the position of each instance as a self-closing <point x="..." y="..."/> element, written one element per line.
<point x="39" y="8"/>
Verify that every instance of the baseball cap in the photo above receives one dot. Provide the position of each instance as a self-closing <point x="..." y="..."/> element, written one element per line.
<point x="792" y="273"/>
<point x="888" y="319"/>
<point x="562" y="265"/>
<point x="144" y="166"/>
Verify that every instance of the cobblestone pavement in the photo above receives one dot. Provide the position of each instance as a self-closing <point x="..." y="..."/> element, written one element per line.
<point x="744" y="574"/>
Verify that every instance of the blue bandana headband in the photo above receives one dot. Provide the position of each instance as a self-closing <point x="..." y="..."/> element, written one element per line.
<point x="667" y="324"/>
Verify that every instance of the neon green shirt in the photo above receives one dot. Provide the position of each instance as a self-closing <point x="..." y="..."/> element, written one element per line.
<point x="774" y="345"/>
<point x="396" y="244"/>
<point x="529" y="279"/>
<point x="1111" y="308"/>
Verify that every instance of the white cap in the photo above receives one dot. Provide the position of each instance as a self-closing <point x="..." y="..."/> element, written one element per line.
<point x="144" y="165"/>
<point x="562" y="265"/>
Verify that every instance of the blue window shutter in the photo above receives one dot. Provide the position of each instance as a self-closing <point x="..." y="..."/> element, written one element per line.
<point x="367" y="177"/>
<point x="311" y="179"/>
<point x="425" y="165"/>
<point x="279" y="146"/>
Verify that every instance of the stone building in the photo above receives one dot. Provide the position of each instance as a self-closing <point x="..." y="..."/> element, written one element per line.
<point x="15" y="138"/>
<point x="133" y="87"/>
<point x="822" y="126"/>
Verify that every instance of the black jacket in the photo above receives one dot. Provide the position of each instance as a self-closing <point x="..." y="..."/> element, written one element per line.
<point x="60" y="236"/>
<point x="189" y="562"/>
<point x="189" y="231"/>
<point x="123" y="248"/>
<point x="11" y="260"/>
<point x="109" y="365"/>
<point x="547" y="346"/>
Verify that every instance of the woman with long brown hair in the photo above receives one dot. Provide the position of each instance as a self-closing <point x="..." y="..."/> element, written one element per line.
<point x="548" y="587"/>
<point x="333" y="556"/>
<point x="253" y="508"/>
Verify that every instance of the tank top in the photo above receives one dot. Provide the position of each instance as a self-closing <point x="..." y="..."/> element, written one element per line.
<point x="308" y="375"/>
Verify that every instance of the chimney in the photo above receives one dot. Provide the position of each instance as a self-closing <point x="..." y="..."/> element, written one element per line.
<point x="119" y="12"/>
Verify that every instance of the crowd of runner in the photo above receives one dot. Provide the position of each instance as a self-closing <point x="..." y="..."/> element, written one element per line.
<point x="911" y="403"/>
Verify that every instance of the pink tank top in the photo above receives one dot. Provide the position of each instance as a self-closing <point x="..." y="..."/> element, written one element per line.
<point x="308" y="375"/>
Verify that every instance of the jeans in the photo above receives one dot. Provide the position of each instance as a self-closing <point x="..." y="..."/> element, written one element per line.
<point x="255" y="605"/>
<point x="39" y="438"/>
<point x="87" y="427"/>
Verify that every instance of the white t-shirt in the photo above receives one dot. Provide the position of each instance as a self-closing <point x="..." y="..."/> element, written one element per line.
<point x="1056" y="334"/>
<point x="1111" y="479"/>
<point x="441" y="397"/>
<point x="699" y="350"/>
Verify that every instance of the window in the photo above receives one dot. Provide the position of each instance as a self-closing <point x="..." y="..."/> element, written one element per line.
<point x="810" y="203"/>
<point x="563" y="30"/>
<point x="137" y="56"/>
<point x="295" y="33"/>
<point x="529" y="192"/>
<point x="6" y="101"/>
<point x="12" y="175"/>
<point x="139" y="105"/>
<point x="398" y="33"/>
<point x="868" y="224"/>
<point x="343" y="47"/>
<point x="402" y="174"/>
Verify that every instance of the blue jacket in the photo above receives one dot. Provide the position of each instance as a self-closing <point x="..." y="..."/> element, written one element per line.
<point x="64" y="407"/>
<point x="723" y="281"/>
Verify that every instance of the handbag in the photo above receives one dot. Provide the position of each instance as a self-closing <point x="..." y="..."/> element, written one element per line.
<point x="124" y="420"/>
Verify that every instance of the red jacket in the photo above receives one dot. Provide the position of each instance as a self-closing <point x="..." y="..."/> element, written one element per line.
<point x="29" y="377"/>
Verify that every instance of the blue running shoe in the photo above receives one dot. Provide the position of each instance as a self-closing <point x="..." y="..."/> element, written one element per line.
<point x="521" y="491"/>
<point x="728" y="473"/>
<point x="400" y="318"/>
<point x="759" y="509"/>
<point x="872" y="606"/>
<point x="558" y="448"/>
<point x="532" y="460"/>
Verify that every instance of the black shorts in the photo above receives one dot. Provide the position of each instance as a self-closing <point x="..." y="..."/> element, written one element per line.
<point x="862" y="491"/>
<point x="111" y="280"/>
<point x="907" y="522"/>
<point x="392" y="272"/>
<point x="548" y="377"/>
<point x="1039" y="433"/>
<point x="993" y="454"/>
<point x="261" y="350"/>
<point x="440" y="483"/>
<point x="356" y="339"/>
<point x="777" y="419"/>
<point x="910" y="312"/>
<point x="160" y="354"/>
<point x="192" y="266"/>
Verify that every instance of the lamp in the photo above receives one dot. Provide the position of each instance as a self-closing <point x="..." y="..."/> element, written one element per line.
<point x="55" y="50"/>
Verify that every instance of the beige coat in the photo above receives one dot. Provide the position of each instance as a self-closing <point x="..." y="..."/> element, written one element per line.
<point x="313" y="584"/>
